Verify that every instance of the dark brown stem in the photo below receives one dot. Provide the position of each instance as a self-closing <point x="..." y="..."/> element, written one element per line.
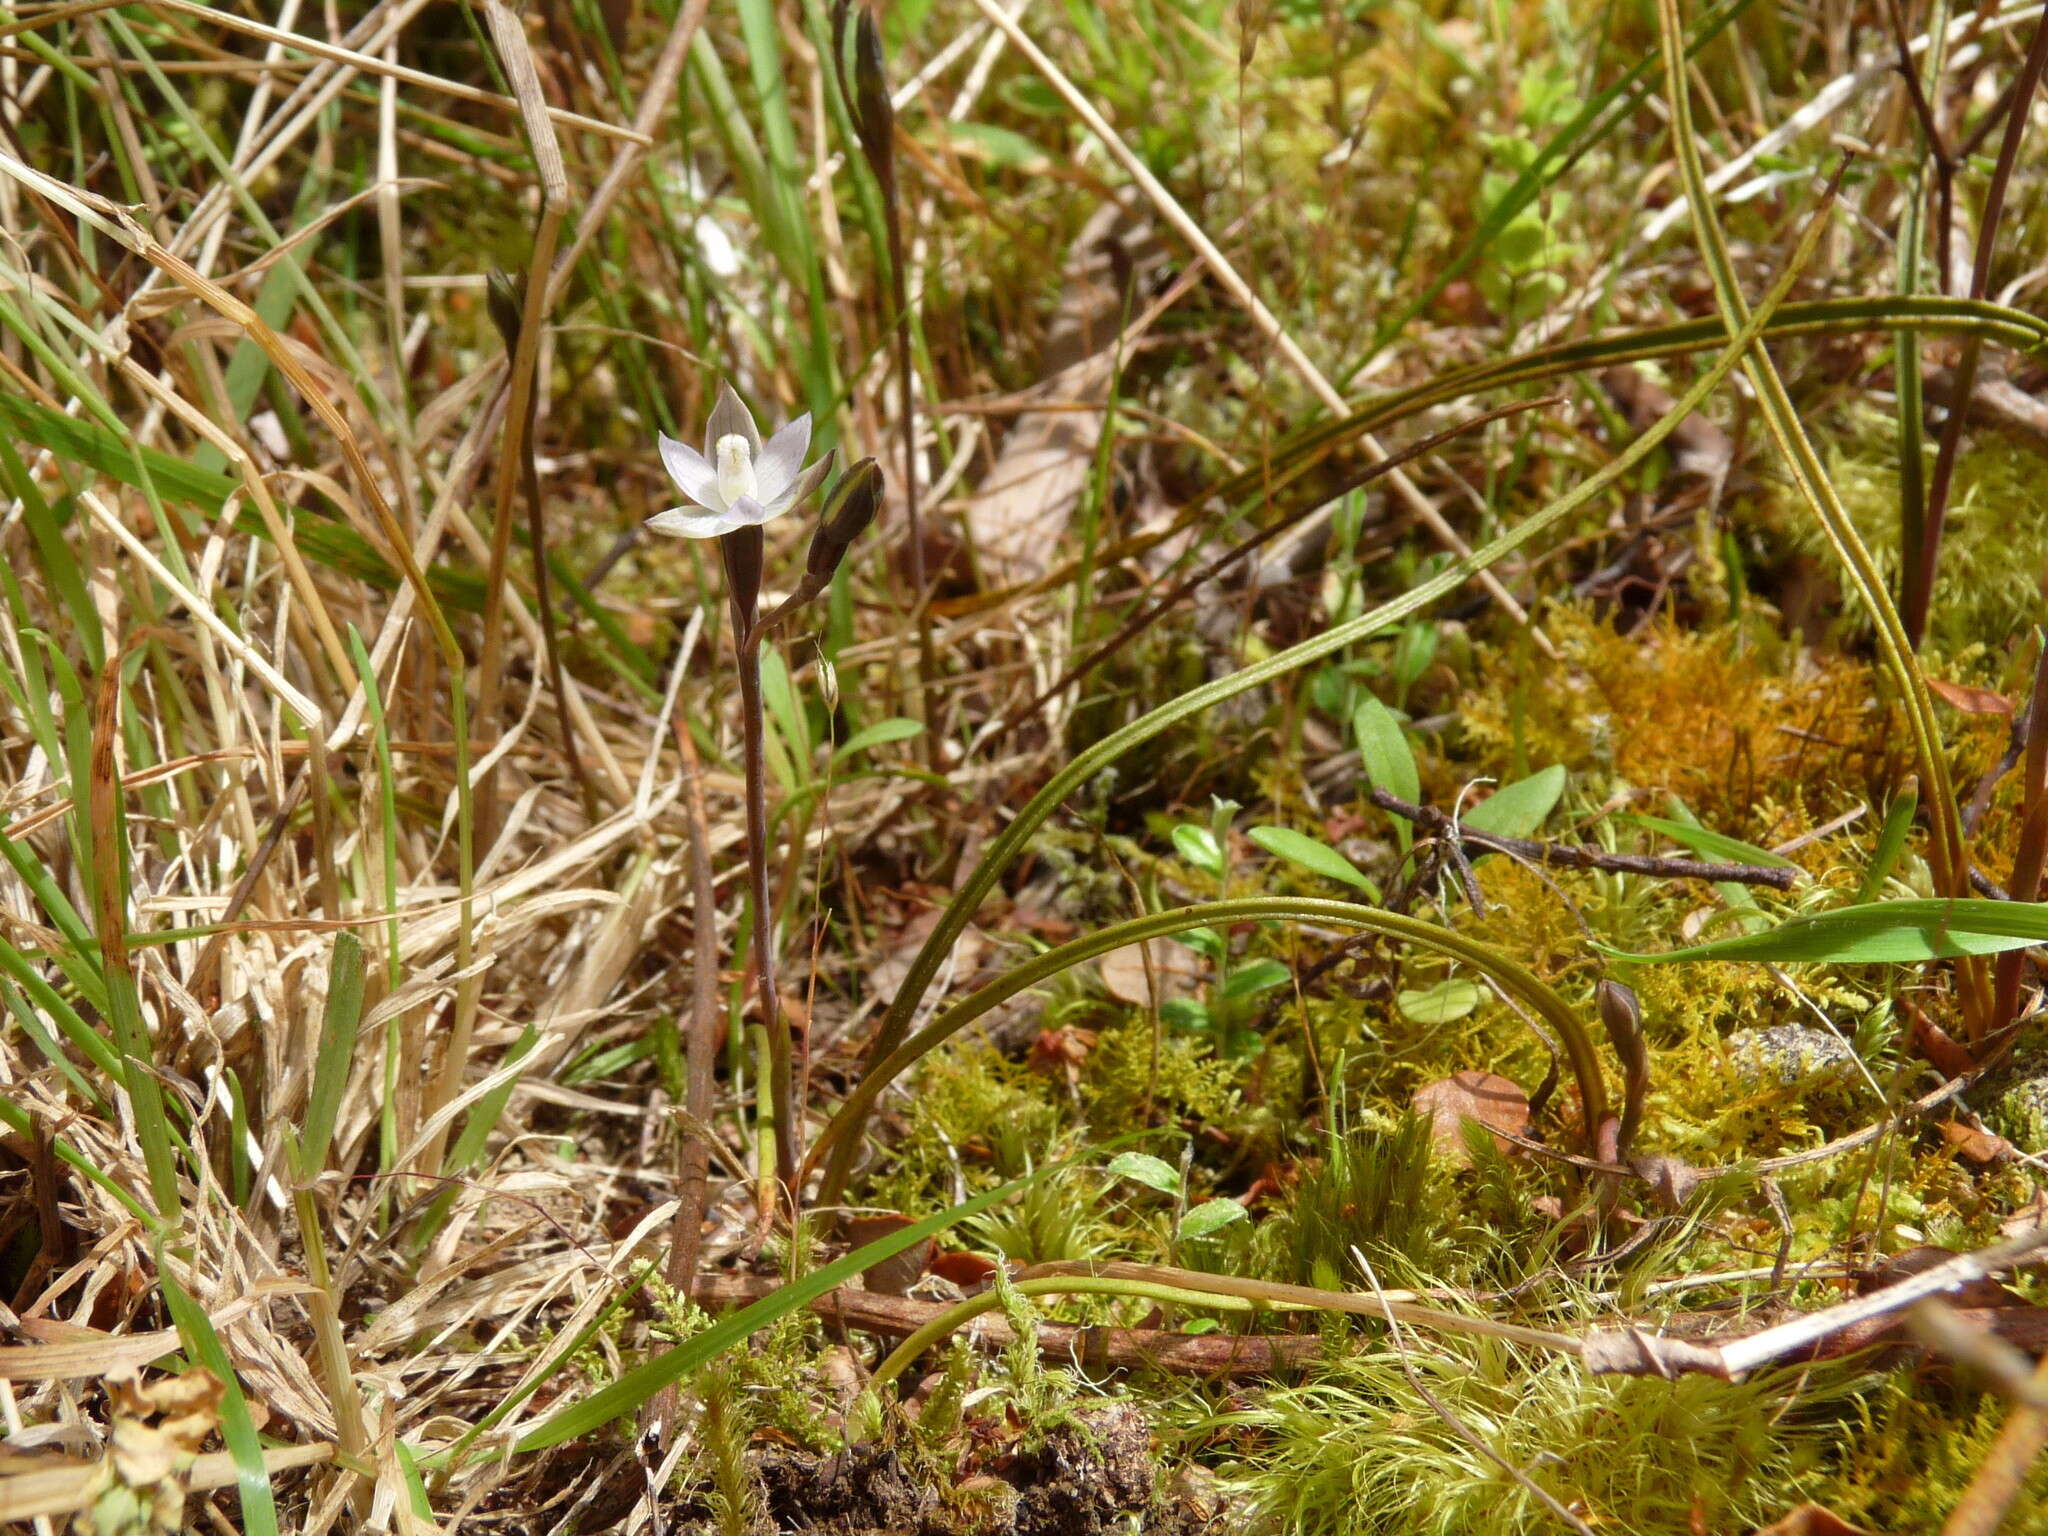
<point x="920" y="607"/>
<point x="780" y="1071"/>
<point x="2032" y="850"/>
<point x="1918" y="595"/>
<point x="700" y="1047"/>
<point x="1577" y="856"/>
<point x="874" y="117"/>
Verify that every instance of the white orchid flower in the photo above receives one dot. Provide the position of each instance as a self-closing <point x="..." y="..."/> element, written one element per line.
<point x="737" y="482"/>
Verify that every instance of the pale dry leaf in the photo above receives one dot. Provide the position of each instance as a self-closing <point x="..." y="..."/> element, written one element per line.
<point x="1022" y="507"/>
<point x="1968" y="700"/>
<point x="1496" y="1102"/>
<point x="1176" y="969"/>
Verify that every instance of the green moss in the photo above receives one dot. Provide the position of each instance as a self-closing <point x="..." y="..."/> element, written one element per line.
<point x="1723" y="718"/>
<point x="1374" y="1189"/>
<point x="1913" y="1450"/>
<point x="1360" y="1449"/>
<point x="1994" y="544"/>
<point x="1190" y="1083"/>
<point x="969" y="1113"/>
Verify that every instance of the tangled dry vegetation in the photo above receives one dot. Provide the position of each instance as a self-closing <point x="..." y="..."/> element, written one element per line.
<point x="1402" y="874"/>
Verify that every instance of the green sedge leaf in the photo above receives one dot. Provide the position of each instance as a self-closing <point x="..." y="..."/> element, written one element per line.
<point x="1883" y="932"/>
<point x="1714" y="845"/>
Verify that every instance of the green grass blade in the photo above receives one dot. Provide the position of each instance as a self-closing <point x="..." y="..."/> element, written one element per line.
<point x="1086" y="764"/>
<point x="1513" y="978"/>
<point x="1891" y="932"/>
<point x="639" y="1386"/>
<point x="237" y="1428"/>
<point x="336" y="1051"/>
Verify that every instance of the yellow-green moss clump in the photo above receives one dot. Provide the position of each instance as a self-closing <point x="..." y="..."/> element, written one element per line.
<point x="1994" y="552"/>
<point x="1721" y="718"/>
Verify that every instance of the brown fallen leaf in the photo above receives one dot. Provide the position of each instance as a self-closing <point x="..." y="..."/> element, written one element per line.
<point x="1939" y="1046"/>
<point x="1672" y="1180"/>
<point x="1063" y="1050"/>
<point x="1970" y="701"/>
<point x="969" y="1271"/>
<point x="2028" y="1217"/>
<point x="896" y="1274"/>
<point x="1496" y="1102"/>
<point x="1698" y="446"/>
<point x="1812" y="1520"/>
<point x="1976" y="1144"/>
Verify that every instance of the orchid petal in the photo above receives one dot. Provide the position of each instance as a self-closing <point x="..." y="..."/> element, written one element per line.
<point x="693" y="476"/>
<point x="691" y="523"/>
<point x="776" y="465"/>
<point x="803" y="484"/>
<point x="730" y="416"/>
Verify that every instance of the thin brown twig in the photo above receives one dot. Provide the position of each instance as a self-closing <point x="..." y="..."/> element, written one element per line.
<point x="1578" y="856"/>
<point x="1093" y="1349"/>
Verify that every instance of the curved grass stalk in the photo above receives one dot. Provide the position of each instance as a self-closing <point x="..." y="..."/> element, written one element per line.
<point x="1948" y="850"/>
<point x="1291" y="458"/>
<point x="1217" y="1293"/>
<point x="1509" y="974"/>
<point x="845" y="1127"/>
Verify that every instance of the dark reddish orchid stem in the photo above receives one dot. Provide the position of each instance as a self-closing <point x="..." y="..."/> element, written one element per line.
<point x="742" y="550"/>
<point x="1918" y="594"/>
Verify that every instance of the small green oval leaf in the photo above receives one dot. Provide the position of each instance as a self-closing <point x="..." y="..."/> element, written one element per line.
<point x="1318" y="858"/>
<point x="1199" y="847"/>
<point x="1210" y="1216"/>
<point x="1447" y="1000"/>
<point x="1389" y="761"/>
<point x="1520" y="808"/>
<point x="1143" y="1168"/>
<point x="1383" y="746"/>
